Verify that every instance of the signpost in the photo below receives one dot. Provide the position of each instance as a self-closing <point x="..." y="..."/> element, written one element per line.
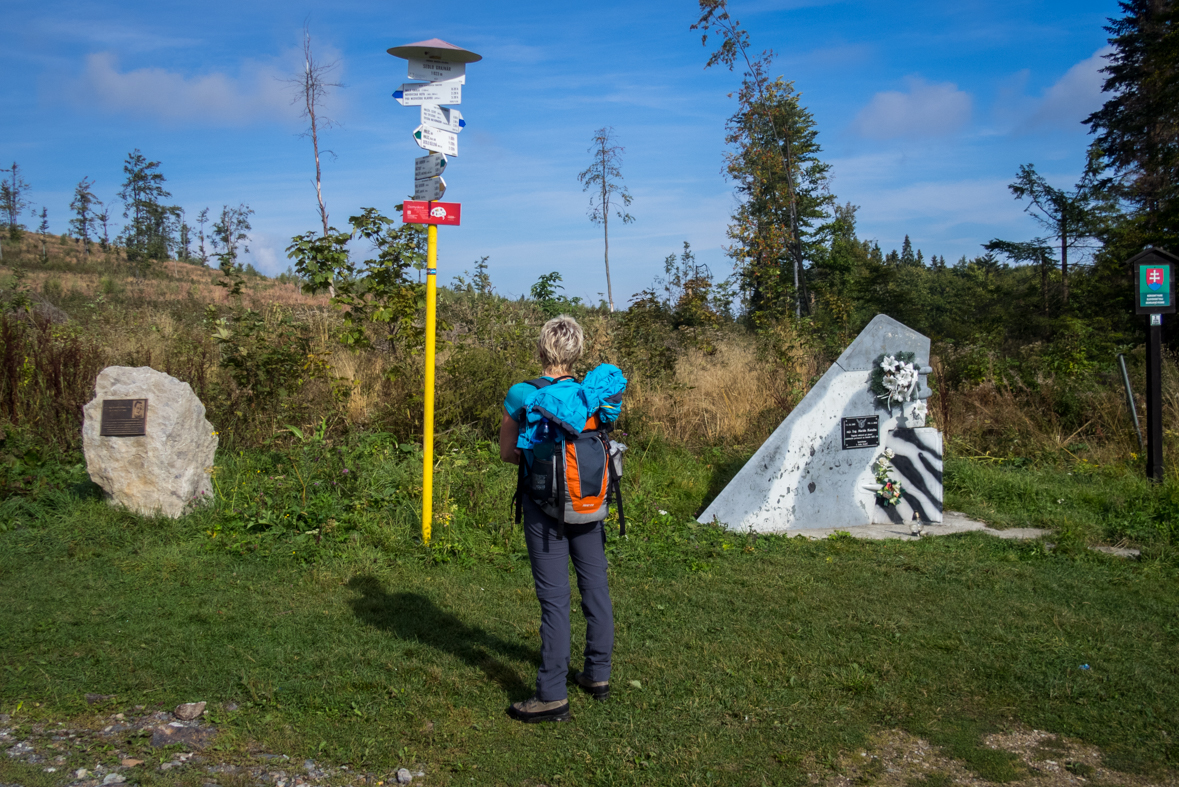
<point x="446" y="119"/>
<point x="1154" y="295"/>
<point x="429" y="189"/>
<point x="437" y="140"/>
<point x="444" y="66"/>
<point x="412" y="95"/>
<point x="437" y="71"/>
<point x="430" y="166"/>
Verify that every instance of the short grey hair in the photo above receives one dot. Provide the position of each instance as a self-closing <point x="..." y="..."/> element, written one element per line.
<point x="561" y="342"/>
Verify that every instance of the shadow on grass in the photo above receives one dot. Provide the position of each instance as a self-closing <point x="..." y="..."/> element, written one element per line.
<point x="723" y="472"/>
<point x="412" y="616"/>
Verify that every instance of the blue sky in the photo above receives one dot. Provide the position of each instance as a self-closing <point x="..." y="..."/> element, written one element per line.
<point x="925" y="111"/>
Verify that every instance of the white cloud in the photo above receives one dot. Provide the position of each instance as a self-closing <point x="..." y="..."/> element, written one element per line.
<point x="926" y="110"/>
<point x="1072" y="99"/>
<point x="257" y="94"/>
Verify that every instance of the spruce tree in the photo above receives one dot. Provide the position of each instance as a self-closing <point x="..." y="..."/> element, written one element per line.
<point x="148" y="235"/>
<point x="84" y="218"/>
<point x="13" y="199"/>
<point x="1136" y="149"/>
<point x="43" y="231"/>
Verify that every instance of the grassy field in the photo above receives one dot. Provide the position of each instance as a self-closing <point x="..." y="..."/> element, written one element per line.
<point x="740" y="660"/>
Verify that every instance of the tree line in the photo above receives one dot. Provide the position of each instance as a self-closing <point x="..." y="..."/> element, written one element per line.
<point x="153" y="229"/>
<point x="795" y="248"/>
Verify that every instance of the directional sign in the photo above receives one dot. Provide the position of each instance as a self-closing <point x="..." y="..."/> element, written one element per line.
<point x="429" y="189"/>
<point x="437" y="71"/>
<point x="414" y="94"/>
<point x="436" y="140"/>
<point x="430" y="166"/>
<point x="446" y="119"/>
<point x="415" y="212"/>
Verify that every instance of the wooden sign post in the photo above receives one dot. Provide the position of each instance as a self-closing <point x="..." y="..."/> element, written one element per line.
<point x="1154" y="295"/>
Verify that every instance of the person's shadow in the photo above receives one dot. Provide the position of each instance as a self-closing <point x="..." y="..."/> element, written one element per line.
<point x="412" y="616"/>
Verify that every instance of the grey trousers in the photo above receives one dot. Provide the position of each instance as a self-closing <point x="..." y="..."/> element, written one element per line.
<point x="549" y="556"/>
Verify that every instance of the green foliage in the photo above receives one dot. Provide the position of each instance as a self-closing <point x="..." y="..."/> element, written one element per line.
<point x="496" y="350"/>
<point x="375" y="292"/>
<point x="551" y="303"/>
<point x="339" y="651"/>
<point x="148" y="235"/>
<point x="83" y="223"/>
<point x="13" y="200"/>
<point x="1136" y="149"/>
<point x="268" y="358"/>
<point x="47" y="374"/>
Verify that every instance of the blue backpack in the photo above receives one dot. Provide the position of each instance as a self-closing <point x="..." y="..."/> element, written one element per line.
<point x="575" y="467"/>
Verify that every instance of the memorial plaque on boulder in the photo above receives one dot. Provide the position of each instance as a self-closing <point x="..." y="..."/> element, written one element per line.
<point x="155" y="459"/>
<point x="123" y="418"/>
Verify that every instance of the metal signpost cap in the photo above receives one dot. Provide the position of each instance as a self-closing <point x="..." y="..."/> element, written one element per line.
<point x="435" y="49"/>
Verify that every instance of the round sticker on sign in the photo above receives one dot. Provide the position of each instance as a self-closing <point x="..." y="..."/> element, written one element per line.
<point x="438" y="212"/>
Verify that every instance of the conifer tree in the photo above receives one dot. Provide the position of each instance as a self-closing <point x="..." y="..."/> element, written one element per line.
<point x="775" y="163"/>
<point x="43" y="231"/>
<point x="601" y="178"/>
<point x="907" y="256"/>
<point x="148" y="236"/>
<point x="202" y="220"/>
<point x="83" y="222"/>
<point x="1136" y="150"/>
<point x="13" y="199"/>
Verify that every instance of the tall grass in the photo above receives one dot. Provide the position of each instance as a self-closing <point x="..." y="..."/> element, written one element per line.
<point x="694" y="386"/>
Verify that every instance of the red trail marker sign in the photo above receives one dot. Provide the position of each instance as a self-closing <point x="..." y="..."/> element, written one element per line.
<point x="418" y="212"/>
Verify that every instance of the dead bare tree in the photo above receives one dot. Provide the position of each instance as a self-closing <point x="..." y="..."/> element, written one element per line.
<point x="313" y="86"/>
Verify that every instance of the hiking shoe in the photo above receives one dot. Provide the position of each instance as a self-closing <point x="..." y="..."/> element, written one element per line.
<point x="533" y="711"/>
<point x="600" y="690"/>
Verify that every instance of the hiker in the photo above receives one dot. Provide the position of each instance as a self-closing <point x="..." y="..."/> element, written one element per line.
<point x="560" y="346"/>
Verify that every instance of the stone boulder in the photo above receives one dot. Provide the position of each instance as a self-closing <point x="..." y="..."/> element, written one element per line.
<point x="168" y="469"/>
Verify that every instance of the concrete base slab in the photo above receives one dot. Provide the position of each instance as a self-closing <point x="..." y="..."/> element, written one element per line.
<point x="1119" y="551"/>
<point x="952" y="522"/>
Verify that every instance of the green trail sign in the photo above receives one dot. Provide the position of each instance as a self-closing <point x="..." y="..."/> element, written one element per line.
<point x="1154" y="294"/>
<point x="1154" y="281"/>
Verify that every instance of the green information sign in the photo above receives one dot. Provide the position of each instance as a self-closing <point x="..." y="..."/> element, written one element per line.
<point x="1154" y="285"/>
<point x="1154" y="281"/>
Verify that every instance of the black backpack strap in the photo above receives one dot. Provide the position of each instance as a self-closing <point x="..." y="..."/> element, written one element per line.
<point x="518" y="498"/>
<point x="616" y="487"/>
<point x="559" y="487"/>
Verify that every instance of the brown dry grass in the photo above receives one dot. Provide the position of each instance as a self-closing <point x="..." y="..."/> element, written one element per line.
<point x="731" y="388"/>
<point x="731" y="395"/>
<point x="899" y="759"/>
<point x="992" y="420"/>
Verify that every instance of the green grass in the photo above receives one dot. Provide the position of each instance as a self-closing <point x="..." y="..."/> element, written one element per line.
<point x="1080" y="502"/>
<point x="738" y="660"/>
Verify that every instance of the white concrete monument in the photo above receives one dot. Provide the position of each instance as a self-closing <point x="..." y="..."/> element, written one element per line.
<point x="819" y="468"/>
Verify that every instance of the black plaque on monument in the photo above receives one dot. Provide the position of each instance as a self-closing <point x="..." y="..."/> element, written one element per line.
<point x="861" y="431"/>
<point x="123" y="418"/>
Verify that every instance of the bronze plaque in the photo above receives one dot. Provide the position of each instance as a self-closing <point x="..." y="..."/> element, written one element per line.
<point x="123" y="418"/>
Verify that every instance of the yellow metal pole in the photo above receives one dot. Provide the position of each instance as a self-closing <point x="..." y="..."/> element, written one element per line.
<point x="428" y="432"/>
